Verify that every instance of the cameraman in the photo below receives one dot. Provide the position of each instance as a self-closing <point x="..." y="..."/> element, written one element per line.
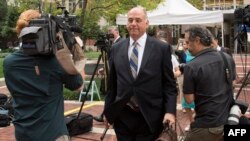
<point x="205" y="83"/>
<point x="36" y="85"/>
<point x="114" y="31"/>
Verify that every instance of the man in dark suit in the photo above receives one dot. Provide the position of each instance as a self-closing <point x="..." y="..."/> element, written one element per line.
<point x="114" y="30"/>
<point x="142" y="89"/>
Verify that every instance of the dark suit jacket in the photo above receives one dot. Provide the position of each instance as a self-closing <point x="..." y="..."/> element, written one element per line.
<point x="119" y="39"/>
<point x="154" y="87"/>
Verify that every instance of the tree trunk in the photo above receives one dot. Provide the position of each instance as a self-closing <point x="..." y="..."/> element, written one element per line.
<point x="84" y="5"/>
<point x="83" y="12"/>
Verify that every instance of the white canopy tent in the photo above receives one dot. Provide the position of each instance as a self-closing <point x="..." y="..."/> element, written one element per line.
<point x="174" y="12"/>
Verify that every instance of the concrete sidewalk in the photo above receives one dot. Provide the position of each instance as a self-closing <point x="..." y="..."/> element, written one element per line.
<point x="93" y="108"/>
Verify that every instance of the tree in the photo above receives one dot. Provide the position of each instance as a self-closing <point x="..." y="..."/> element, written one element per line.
<point x="93" y="10"/>
<point x="197" y="3"/>
<point x="3" y="9"/>
<point x="7" y="23"/>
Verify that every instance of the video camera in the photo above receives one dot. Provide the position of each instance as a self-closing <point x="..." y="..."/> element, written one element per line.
<point x="39" y="38"/>
<point x="242" y="15"/>
<point x="104" y="42"/>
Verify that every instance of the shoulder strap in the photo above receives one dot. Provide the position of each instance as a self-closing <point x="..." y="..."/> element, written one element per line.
<point x="226" y="67"/>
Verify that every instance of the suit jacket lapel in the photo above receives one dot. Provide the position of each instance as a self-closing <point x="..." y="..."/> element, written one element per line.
<point x="146" y="54"/>
<point x="125" y="58"/>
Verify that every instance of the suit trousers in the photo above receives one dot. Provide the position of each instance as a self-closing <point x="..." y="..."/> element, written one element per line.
<point x="131" y="126"/>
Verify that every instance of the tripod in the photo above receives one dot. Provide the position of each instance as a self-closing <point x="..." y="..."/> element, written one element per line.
<point x="242" y="41"/>
<point x="245" y="82"/>
<point x="102" y="56"/>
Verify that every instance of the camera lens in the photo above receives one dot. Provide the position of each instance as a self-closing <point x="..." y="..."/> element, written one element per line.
<point x="234" y="115"/>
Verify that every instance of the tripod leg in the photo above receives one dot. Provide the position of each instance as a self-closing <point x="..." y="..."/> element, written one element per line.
<point x="244" y="83"/>
<point x="89" y="86"/>
<point x="104" y="133"/>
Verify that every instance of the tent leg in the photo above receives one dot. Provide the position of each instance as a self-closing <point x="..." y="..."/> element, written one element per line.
<point x="222" y="35"/>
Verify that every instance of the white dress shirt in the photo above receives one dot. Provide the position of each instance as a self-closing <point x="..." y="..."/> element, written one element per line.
<point x="141" y="42"/>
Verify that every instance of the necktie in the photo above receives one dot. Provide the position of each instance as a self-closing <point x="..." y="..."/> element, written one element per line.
<point x="133" y="61"/>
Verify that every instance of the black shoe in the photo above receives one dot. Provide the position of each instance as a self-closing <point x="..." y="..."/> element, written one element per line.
<point x="98" y="118"/>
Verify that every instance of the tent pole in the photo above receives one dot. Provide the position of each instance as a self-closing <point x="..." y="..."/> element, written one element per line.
<point x="222" y="34"/>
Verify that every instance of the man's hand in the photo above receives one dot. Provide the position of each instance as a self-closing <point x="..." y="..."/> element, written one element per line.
<point x="169" y="118"/>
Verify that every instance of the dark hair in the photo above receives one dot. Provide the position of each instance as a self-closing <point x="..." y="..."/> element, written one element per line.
<point x="204" y="34"/>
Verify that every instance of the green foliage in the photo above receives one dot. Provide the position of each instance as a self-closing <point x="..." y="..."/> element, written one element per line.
<point x="109" y="9"/>
<point x="197" y="3"/>
<point x="7" y="30"/>
<point x="27" y="4"/>
<point x="91" y="29"/>
<point x="3" y="54"/>
<point x="3" y="9"/>
<point x="91" y="54"/>
<point x="70" y="95"/>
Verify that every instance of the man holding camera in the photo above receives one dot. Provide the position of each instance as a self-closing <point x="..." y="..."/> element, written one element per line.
<point x="205" y="83"/>
<point x="36" y="84"/>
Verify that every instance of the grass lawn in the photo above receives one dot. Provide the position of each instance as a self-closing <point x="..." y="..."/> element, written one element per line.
<point x="92" y="54"/>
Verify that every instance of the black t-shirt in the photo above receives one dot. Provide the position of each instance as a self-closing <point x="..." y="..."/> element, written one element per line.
<point x="205" y="77"/>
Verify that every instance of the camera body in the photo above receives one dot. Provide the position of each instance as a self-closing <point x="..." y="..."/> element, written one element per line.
<point x="242" y="15"/>
<point x="39" y="38"/>
<point x="236" y="111"/>
<point x="104" y="42"/>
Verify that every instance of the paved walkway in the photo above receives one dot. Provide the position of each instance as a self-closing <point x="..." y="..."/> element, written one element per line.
<point x="93" y="108"/>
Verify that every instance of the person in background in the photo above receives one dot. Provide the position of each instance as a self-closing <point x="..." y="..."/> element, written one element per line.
<point x="185" y="57"/>
<point x="142" y="89"/>
<point x="36" y="86"/>
<point x="162" y="35"/>
<point x="113" y="30"/>
<point x="215" y="45"/>
<point x="188" y="58"/>
<point x="180" y="52"/>
<point x="205" y="82"/>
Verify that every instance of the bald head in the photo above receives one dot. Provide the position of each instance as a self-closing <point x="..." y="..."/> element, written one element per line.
<point x="137" y="22"/>
<point x="141" y="9"/>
